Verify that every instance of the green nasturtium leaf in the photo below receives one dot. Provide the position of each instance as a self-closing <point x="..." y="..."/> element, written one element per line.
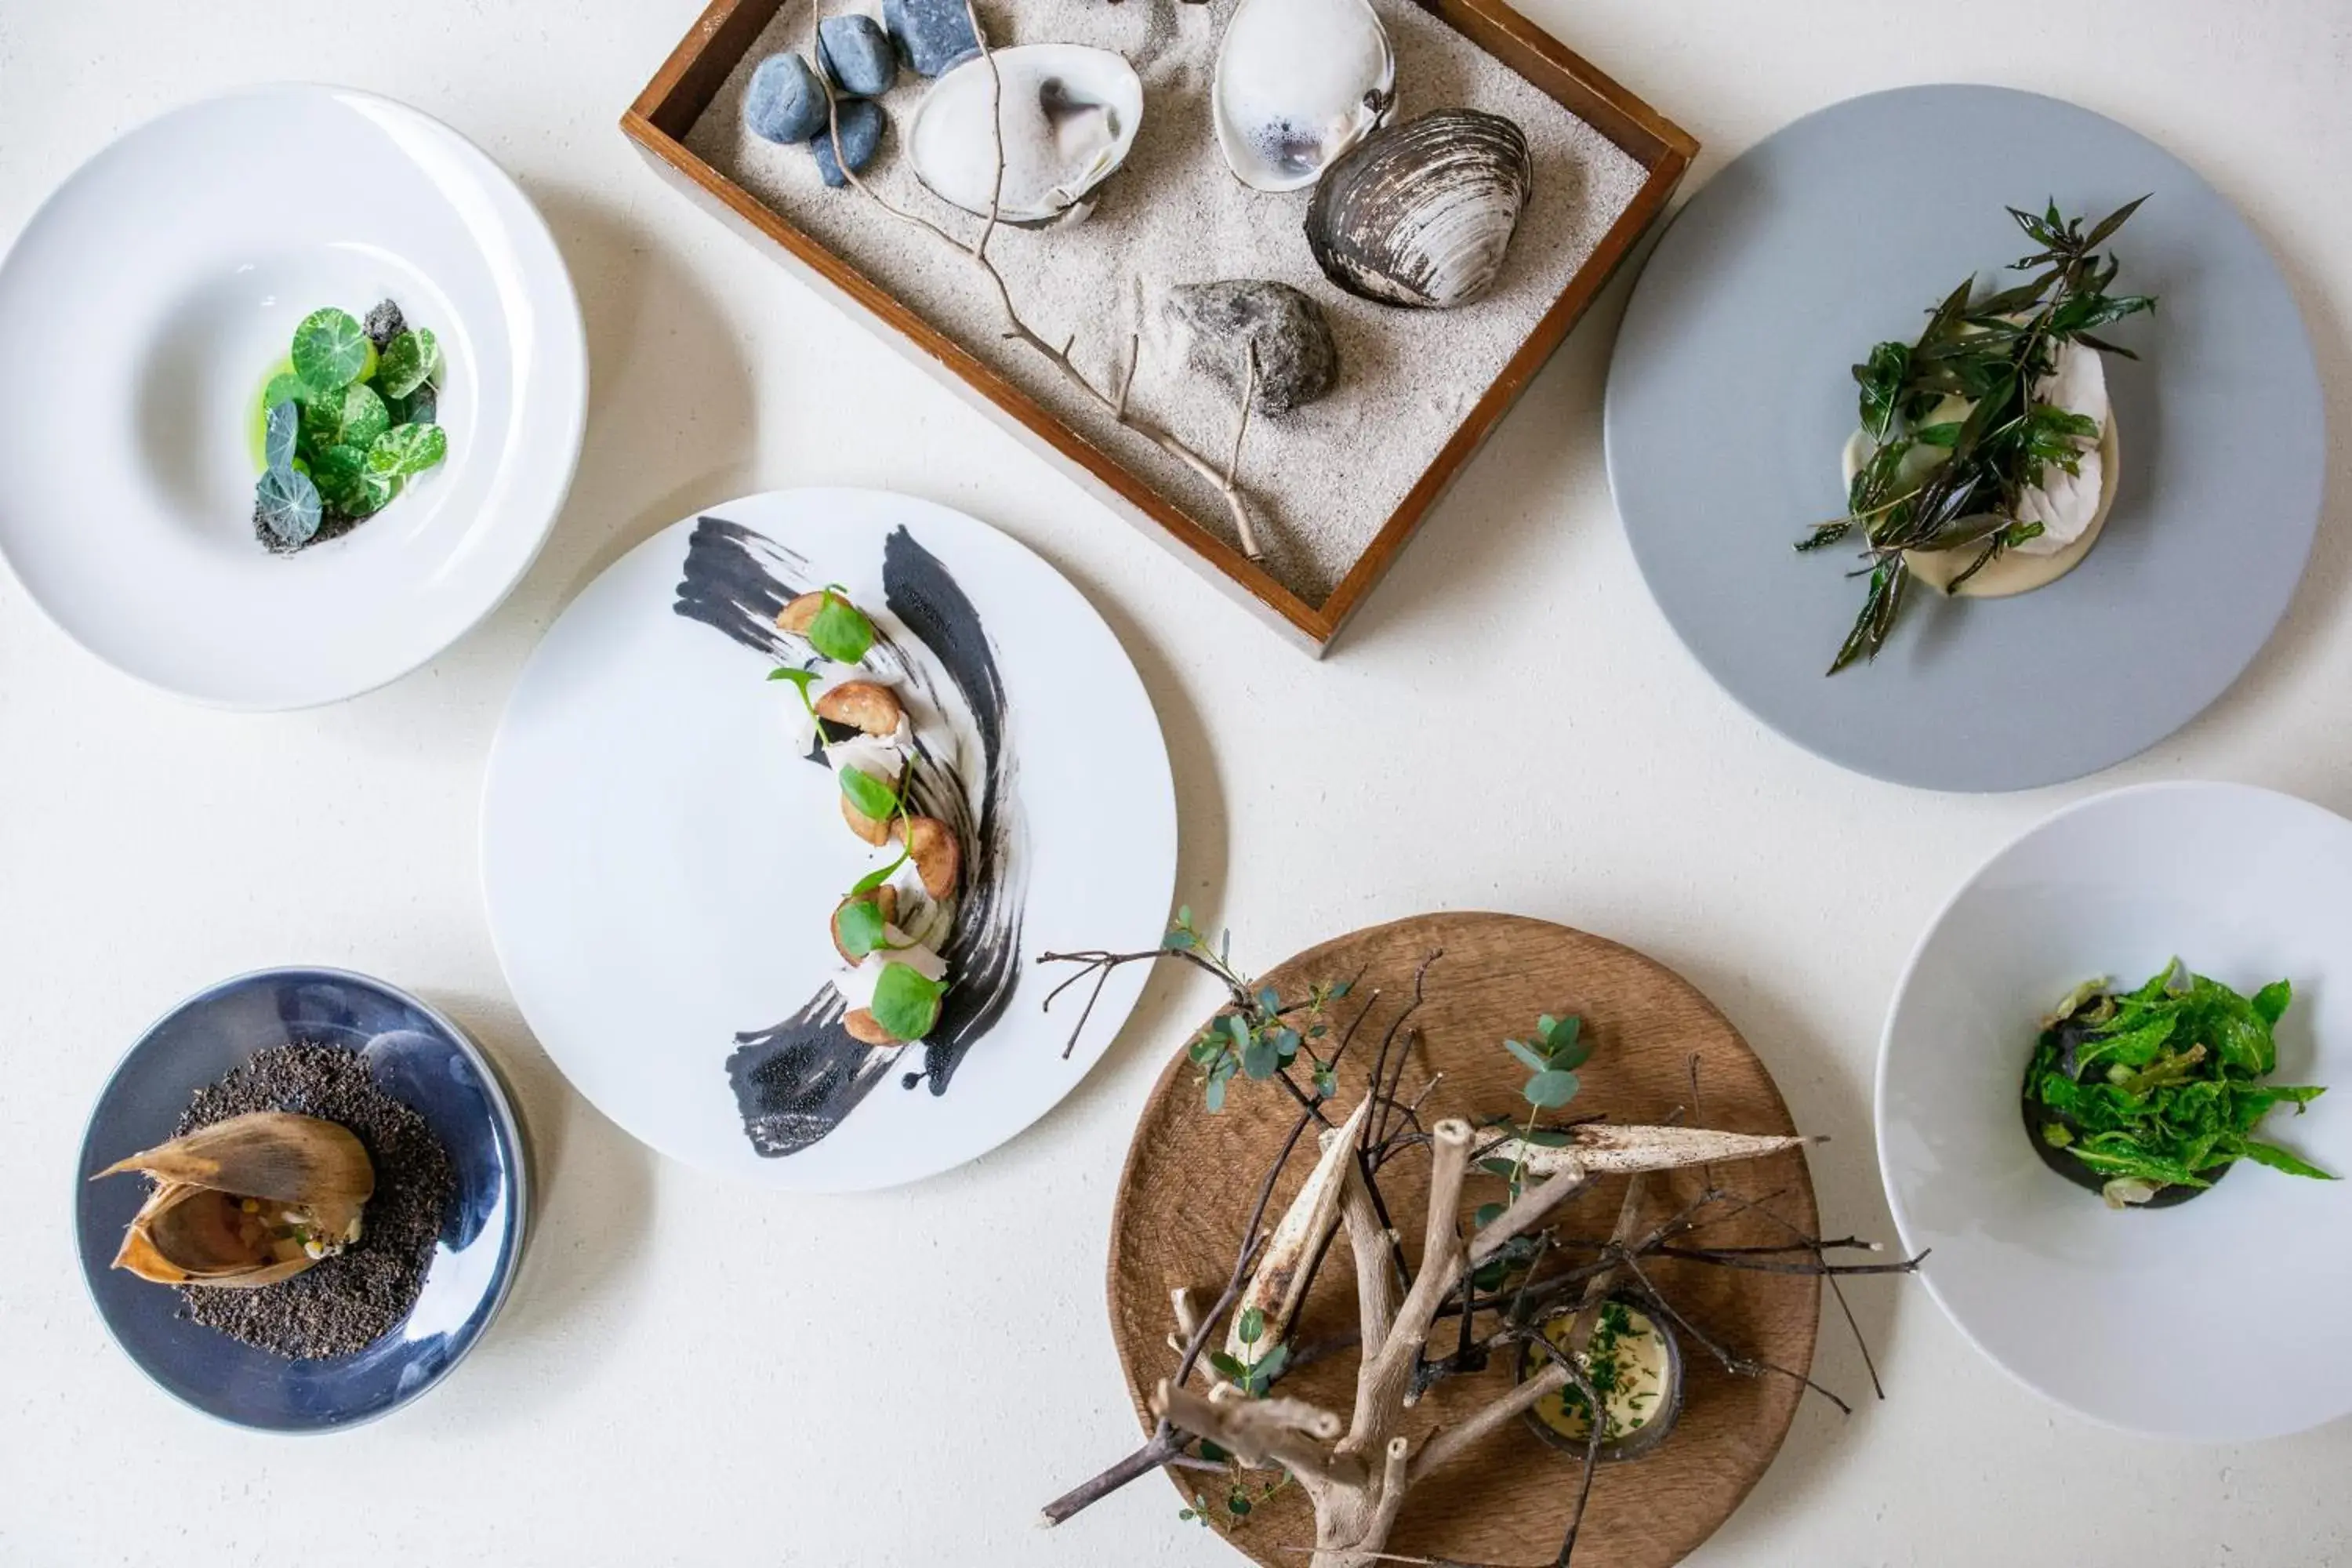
<point x="284" y="387"/>
<point x="421" y="406"/>
<point x="907" y="1001"/>
<point x="341" y="473"/>
<point x="287" y="504"/>
<point x="408" y="362"/>
<point x="330" y="350"/>
<point x="840" y="631"/>
<point x="407" y="449"/>
<point x="278" y="436"/>
<point x="873" y="798"/>
<point x="364" y="417"/>
<point x="861" y="928"/>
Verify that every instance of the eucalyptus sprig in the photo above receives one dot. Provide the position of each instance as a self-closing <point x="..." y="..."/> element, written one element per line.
<point x="1261" y="1036"/>
<point x="1551" y="1059"/>
<point x="1993" y="353"/>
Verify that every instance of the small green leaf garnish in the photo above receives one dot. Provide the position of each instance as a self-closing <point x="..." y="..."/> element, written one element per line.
<point x="803" y="679"/>
<point x="363" y="417"/>
<point x="288" y="505"/>
<point x="284" y="387"/>
<point x="906" y="1000"/>
<point x="407" y="364"/>
<point x="1552" y="1088"/>
<point x="278" y="434"/>
<point x="840" y="630"/>
<point x="407" y="449"/>
<point x="873" y="798"/>
<point x="330" y="351"/>
<point x="861" y="929"/>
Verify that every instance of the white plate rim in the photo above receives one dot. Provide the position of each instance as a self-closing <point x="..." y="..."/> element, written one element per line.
<point x="573" y="345"/>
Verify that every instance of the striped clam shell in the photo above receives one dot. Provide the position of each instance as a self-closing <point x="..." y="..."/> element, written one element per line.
<point x="1421" y="215"/>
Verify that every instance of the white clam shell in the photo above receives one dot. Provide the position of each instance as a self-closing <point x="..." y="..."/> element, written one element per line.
<point x="1422" y="215"/>
<point x="1068" y="115"/>
<point x="1298" y="82"/>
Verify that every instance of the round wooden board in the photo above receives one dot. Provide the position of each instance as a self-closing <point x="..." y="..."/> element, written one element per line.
<point x="1191" y="1177"/>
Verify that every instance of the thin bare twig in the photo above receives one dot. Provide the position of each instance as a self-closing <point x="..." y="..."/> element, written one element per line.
<point x="1113" y="402"/>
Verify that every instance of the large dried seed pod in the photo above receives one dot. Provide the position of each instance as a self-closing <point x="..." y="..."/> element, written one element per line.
<point x="1421" y="215"/>
<point x="246" y="1202"/>
<point x="1298" y="82"/>
<point x="1277" y="1287"/>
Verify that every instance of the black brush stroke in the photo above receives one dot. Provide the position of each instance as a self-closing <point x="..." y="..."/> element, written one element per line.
<point x="795" y="1081"/>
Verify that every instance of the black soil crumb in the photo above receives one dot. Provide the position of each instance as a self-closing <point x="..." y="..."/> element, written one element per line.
<point x="332" y="524"/>
<point x="345" y="1303"/>
<point x="382" y="324"/>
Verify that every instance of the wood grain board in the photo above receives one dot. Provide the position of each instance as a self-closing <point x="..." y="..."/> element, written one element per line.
<point x="658" y="121"/>
<point x="1191" y="1177"/>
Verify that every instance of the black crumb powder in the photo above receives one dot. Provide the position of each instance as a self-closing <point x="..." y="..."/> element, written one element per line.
<point x="344" y="1303"/>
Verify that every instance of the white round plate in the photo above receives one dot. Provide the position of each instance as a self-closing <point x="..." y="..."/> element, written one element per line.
<point x="2220" y="1320"/>
<point x="150" y="297"/>
<point x="661" y="857"/>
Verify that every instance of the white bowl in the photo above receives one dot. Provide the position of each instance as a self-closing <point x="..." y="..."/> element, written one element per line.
<point x="143" y="309"/>
<point x="2220" y="1320"/>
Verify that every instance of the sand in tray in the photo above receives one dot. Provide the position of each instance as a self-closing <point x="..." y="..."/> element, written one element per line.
<point x="1322" y="478"/>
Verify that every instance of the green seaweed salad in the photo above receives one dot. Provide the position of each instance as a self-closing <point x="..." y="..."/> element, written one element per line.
<point x="2154" y="1093"/>
<point x="347" y="419"/>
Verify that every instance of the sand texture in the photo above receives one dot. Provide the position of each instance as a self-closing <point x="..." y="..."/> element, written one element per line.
<point x="1322" y="478"/>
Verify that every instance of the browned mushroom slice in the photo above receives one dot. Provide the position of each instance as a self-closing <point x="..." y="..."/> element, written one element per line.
<point x="864" y="705"/>
<point x="938" y="859"/>
<point x="868" y="1030"/>
<point x="795" y="616"/>
<point x="884" y="898"/>
<point x="865" y="826"/>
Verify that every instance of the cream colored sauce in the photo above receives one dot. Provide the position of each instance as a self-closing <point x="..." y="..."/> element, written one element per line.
<point x="1637" y="1392"/>
<point x="2011" y="571"/>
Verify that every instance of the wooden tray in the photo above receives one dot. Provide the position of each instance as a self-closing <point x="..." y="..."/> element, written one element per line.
<point x="1191" y="1177"/>
<point x="663" y="115"/>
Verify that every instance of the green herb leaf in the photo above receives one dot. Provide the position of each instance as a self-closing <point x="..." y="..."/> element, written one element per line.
<point x="407" y="449"/>
<point x="1213" y="1094"/>
<point x="1564" y="1041"/>
<point x="1251" y="1326"/>
<point x="1528" y="1056"/>
<point x="861" y="929"/>
<point x="840" y="630"/>
<point x="362" y="418"/>
<point x="278" y="434"/>
<point x="331" y="352"/>
<point x="874" y="799"/>
<point x="803" y="679"/>
<point x="2272" y="1001"/>
<point x="1551" y="1088"/>
<point x="284" y="387"/>
<point x="288" y="505"/>
<point x="907" y="1001"/>
<point x="2279" y="1158"/>
<point x="407" y="364"/>
<point x="1229" y="1366"/>
<point x="1882" y="379"/>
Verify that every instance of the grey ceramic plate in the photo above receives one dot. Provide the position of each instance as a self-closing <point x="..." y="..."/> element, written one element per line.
<point x="1730" y="395"/>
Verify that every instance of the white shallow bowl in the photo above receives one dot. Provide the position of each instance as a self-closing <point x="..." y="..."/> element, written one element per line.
<point x="143" y="309"/>
<point x="2217" y="1320"/>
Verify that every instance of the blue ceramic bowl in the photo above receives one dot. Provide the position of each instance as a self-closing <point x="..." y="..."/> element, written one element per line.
<point x="416" y="1056"/>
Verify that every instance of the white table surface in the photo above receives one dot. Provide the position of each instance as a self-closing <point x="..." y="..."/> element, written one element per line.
<point x="631" y="1405"/>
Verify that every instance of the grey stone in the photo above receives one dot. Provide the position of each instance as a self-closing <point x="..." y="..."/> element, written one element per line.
<point x="1222" y="323"/>
<point x="856" y="53"/>
<point x="862" y="124"/>
<point x="786" y="101"/>
<point x="935" y="35"/>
